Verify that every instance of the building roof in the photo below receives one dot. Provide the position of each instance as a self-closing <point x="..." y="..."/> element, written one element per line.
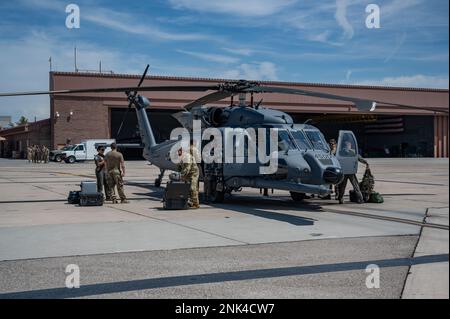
<point x="220" y="80"/>
<point x="19" y="129"/>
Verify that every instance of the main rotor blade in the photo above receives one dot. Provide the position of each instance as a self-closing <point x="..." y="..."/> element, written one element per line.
<point x="361" y="104"/>
<point x="213" y="97"/>
<point x="143" y="75"/>
<point x="184" y="88"/>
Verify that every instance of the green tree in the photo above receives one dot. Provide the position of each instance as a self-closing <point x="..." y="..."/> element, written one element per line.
<point x="22" y="120"/>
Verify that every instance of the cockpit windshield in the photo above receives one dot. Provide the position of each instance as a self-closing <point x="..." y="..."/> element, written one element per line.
<point x="301" y="140"/>
<point x="285" y="142"/>
<point x="317" y="140"/>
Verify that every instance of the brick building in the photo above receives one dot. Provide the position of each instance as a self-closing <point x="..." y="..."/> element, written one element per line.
<point x="15" y="140"/>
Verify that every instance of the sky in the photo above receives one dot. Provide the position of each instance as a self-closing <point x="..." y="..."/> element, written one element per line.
<point x="284" y="40"/>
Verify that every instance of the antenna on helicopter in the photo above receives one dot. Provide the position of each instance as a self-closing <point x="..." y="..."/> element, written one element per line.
<point x="242" y="99"/>
<point x="258" y="104"/>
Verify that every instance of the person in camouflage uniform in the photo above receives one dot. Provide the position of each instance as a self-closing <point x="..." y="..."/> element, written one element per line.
<point x="189" y="173"/>
<point x="115" y="169"/>
<point x="29" y="154"/>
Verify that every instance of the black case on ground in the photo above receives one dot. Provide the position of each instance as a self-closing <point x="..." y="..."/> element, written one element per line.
<point x="176" y="195"/>
<point x="95" y="199"/>
<point x="74" y="197"/>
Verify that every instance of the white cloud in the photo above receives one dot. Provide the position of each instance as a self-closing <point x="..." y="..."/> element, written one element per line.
<point x="24" y="64"/>
<point x="239" y="51"/>
<point x="120" y="21"/>
<point x="218" y="58"/>
<point x="419" y="80"/>
<point x="397" y="6"/>
<point x="256" y="8"/>
<point x="254" y="71"/>
<point x="341" y="18"/>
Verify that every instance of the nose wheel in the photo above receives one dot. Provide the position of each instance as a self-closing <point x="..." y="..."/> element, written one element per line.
<point x="298" y="197"/>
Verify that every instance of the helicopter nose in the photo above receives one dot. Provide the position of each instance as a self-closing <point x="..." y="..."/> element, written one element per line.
<point x="333" y="175"/>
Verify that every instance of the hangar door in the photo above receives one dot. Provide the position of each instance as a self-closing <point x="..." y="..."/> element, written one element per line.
<point x="161" y="121"/>
<point x="379" y="135"/>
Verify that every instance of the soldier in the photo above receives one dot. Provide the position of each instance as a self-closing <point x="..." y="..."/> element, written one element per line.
<point x="189" y="172"/>
<point x="333" y="150"/>
<point x="115" y="170"/>
<point x="34" y="153"/>
<point x="333" y="146"/>
<point x="29" y="154"/>
<point x="352" y="177"/>
<point x="100" y="172"/>
<point x="46" y="154"/>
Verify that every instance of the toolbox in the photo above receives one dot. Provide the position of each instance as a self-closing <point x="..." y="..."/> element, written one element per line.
<point x="89" y="195"/>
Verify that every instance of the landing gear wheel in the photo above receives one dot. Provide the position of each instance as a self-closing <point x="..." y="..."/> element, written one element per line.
<point x="157" y="182"/>
<point x="214" y="196"/>
<point x="298" y="197"/>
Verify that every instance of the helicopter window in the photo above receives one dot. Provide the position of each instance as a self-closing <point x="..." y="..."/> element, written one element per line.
<point x="285" y="141"/>
<point x="317" y="140"/>
<point x="301" y="140"/>
<point x="348" y="147"/>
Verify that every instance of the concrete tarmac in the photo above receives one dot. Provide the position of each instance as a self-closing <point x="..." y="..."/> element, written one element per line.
<point x="249" y="246"/>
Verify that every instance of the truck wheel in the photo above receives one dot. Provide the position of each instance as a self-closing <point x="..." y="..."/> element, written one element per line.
<point x="58" y="158"/>
<point x="71" y="159"/>
<point x="298" y="197"/>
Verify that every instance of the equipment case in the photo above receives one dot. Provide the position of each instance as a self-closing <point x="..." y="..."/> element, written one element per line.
<point x="176" y="195"/>
<point x="89" y="195"/>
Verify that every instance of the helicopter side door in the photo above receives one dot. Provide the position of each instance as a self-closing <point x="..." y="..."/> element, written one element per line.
<point x="347" y="152"/>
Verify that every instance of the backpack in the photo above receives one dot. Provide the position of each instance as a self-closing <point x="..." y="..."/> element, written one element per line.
<point x="367" y="185"/>
<point x="376" y="198"/>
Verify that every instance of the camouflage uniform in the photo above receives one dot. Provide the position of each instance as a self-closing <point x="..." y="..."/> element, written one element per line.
<point x="100" y="173"/>
<point x="189" y="172"/>
<point x="34" y="154"/>
<point x="29" y="154"/>
<point x="46" y="154"/>
<point x="114" y="175"/>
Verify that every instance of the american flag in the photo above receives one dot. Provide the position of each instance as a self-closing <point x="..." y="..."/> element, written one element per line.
<point x="385" y="125"/>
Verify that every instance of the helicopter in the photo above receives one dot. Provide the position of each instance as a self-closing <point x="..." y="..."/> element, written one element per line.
<point x="304" y="162"/>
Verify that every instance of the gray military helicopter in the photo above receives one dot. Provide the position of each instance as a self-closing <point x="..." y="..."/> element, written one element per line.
<point x="305" y="164"/>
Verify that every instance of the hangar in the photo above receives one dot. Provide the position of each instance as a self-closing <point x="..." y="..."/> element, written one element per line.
<point x="388" y="132"/>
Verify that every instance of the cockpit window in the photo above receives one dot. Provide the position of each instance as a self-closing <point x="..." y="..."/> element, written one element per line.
<point x="285" y="141"/>
<point x="301" y="140"/>
<point x="317" y="140"/>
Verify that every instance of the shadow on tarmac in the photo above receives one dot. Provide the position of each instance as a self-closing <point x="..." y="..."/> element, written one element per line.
<point x="185" y="280"/>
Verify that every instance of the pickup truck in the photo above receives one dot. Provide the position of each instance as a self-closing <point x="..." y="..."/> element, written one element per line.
<point x="85" y="151"/>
